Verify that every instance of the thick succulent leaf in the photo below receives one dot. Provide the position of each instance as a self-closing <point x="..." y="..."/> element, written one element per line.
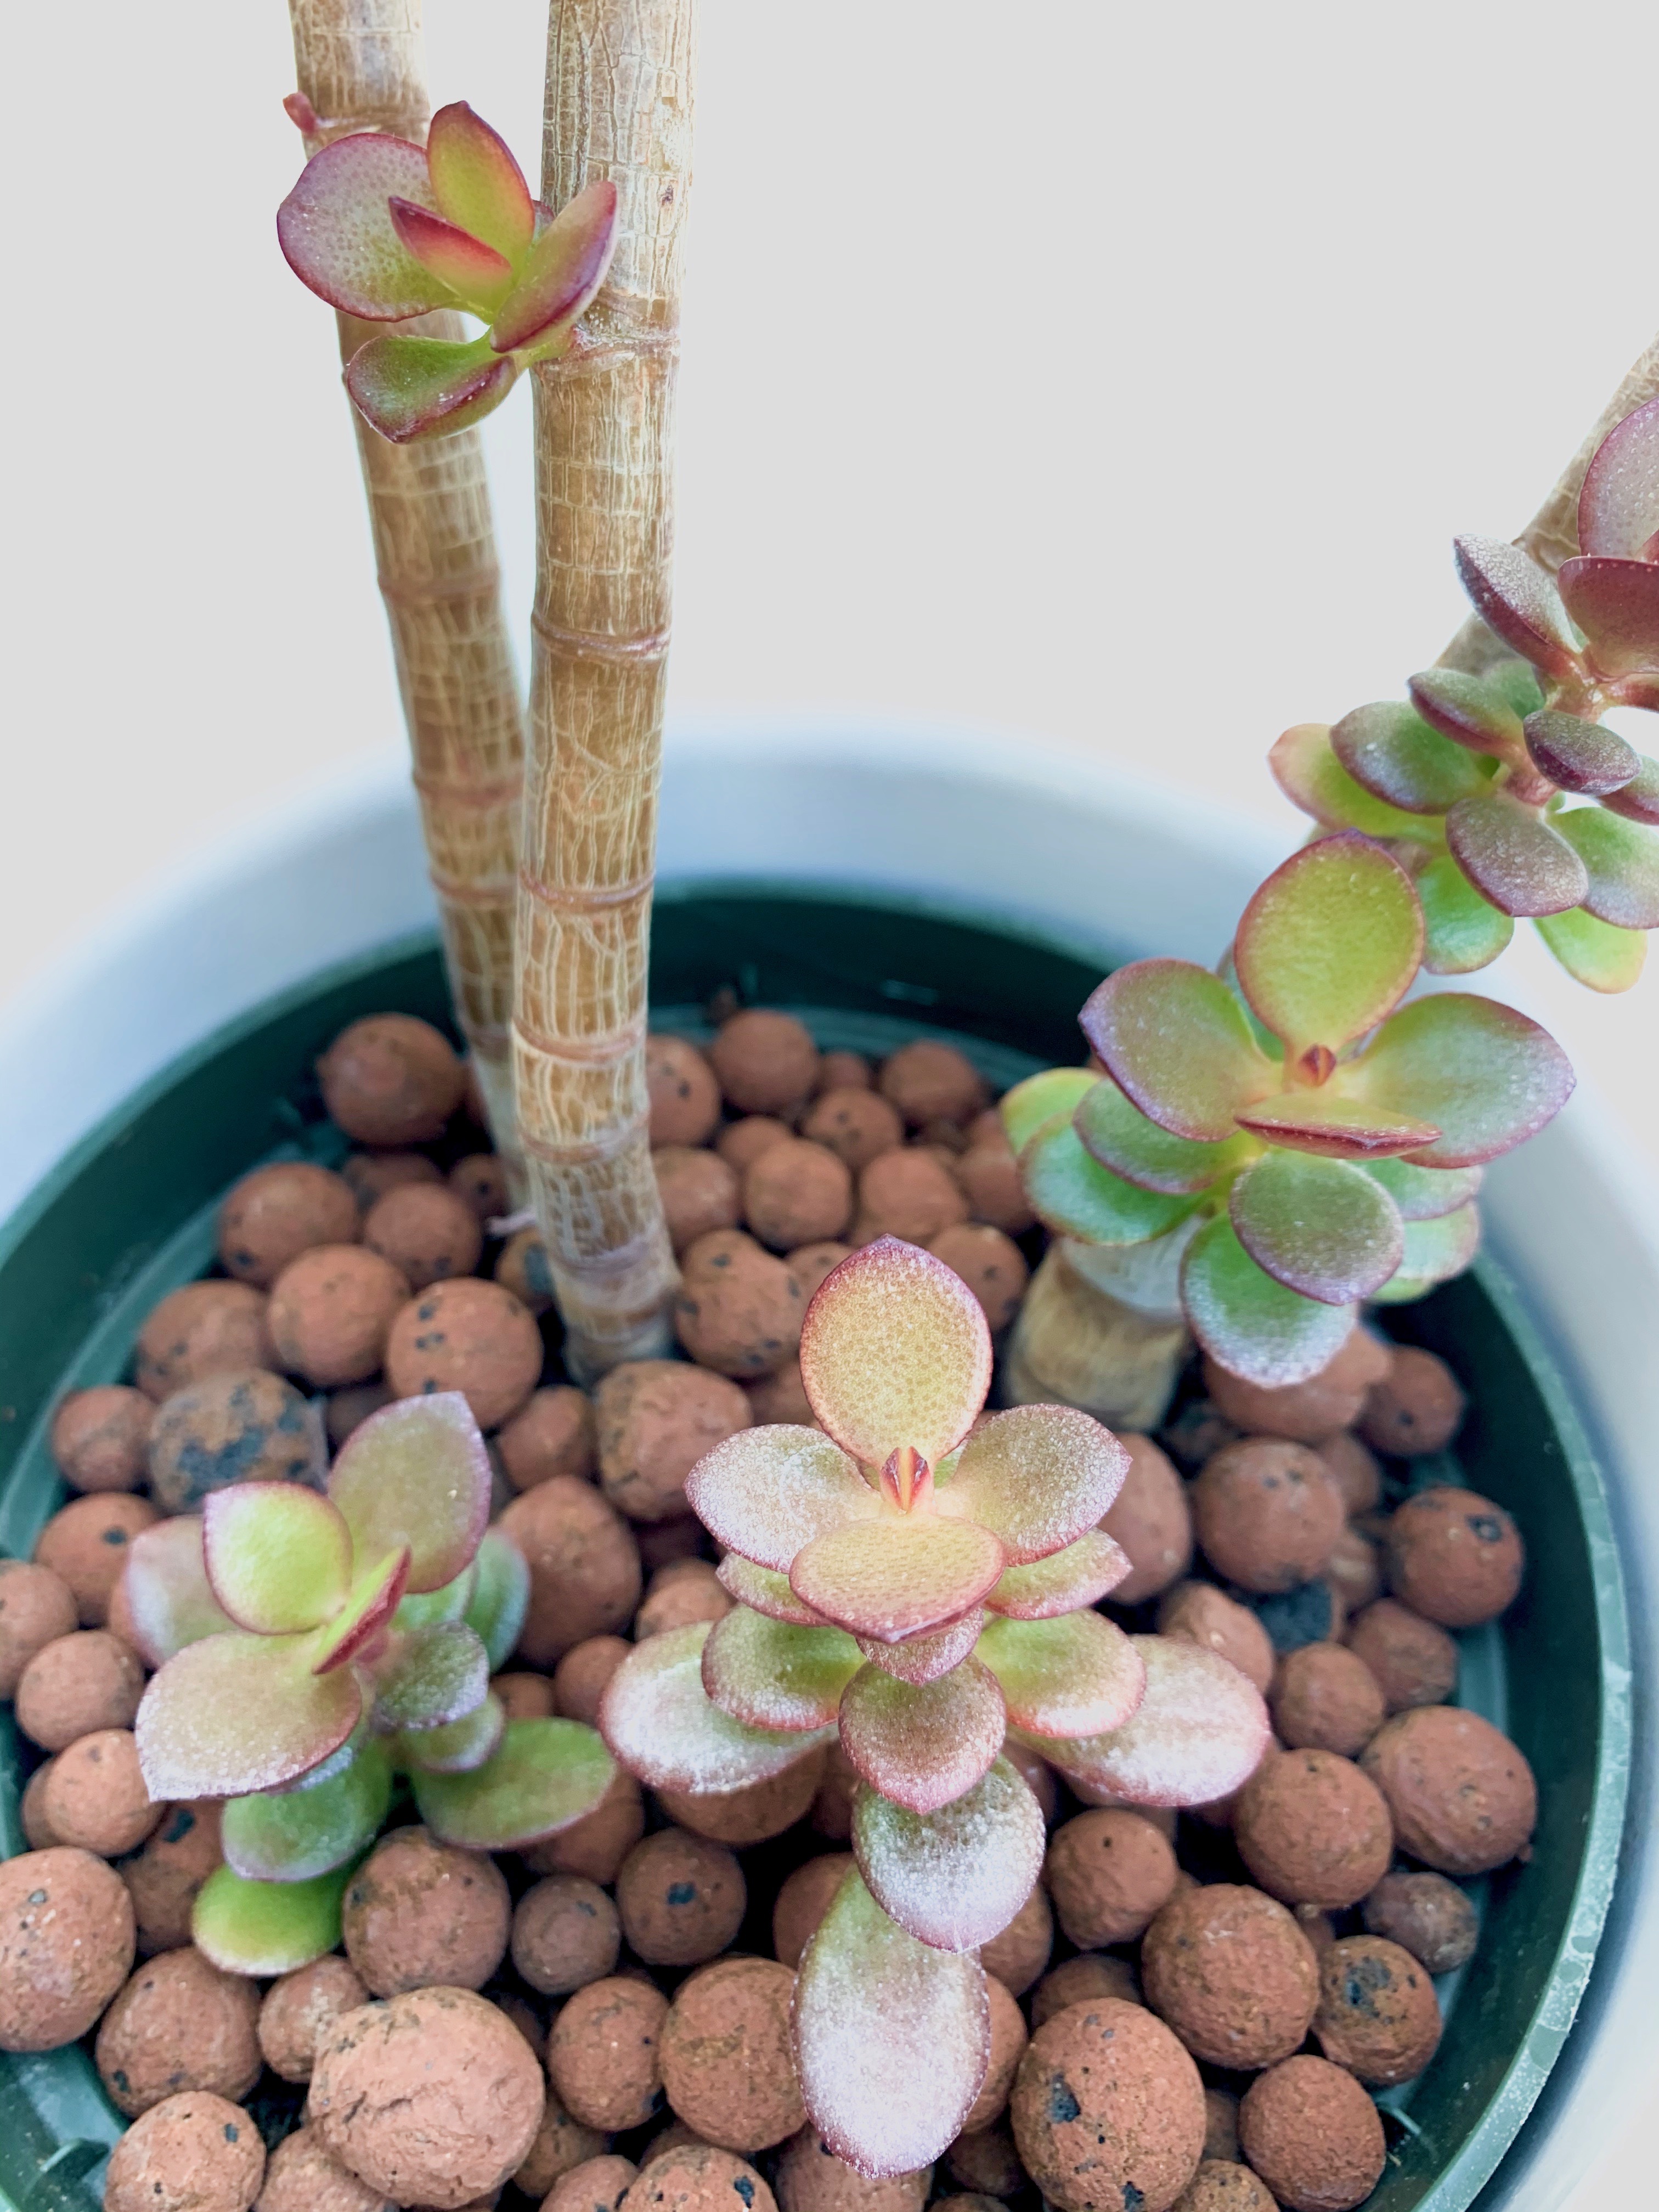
<point x="1462" y="930"/>
<point x="1078" y="1675"/>
<point x="476" y="181"/>
<point x="924" y="1658"/>
<point x="765" y="1592"/>
<point x="370" y="1607"/>
<point x="336" y="234"/>
<point x="1198" y="1733"/>
<point x="1037" y="1476"/>
<point x="1467" y="709"/>
<point x="1176" y="1039"/>
<point x="1513" y="856"/>
<point x="1078" y="1576"/>
<point x="1053" y="1095"/>
<point x="1616" y="604"/>
<point x="413" y="387"/>
<point x="1580" y="756"/>
<point x="170" y="1601"/>
<point x="1517" y="602"/>
<point x="1638" y="799"/>
<point x="417" y="1472"/>
<point x="450" y="1603"/>
<point x="892" y="2038"/>
<point x="767" y="1492"/>
<point x="544" y="1775"/>
<point x="1250" y="1324"/>
<point x="1622" y="861"/>
<point x="473" y="272"/>
<point x="236" y="1713"/>
<point x="956" y="1877"/>
<point x="1330" y="943"/>
<point x="430" y="1677"/>
<point x="895" y="1350"/>
<point x="1488" y="1076"/>
<point x="267" y="1927"/>
<point x="279" y="1557"/>
<point x="1593" y="952"/>
<point x="905" y="1575"/>
<point x="460" y="1745"/>
<point x="292" y="1835"/>
<point x="1515" y="682"/>
<point x="1308" y="773"/>
<point x="922" y="1744"/>
<point x="661" y="1725"/>
<point x="1390" y="750"/>
<point x="1073" y="1195"/>
<point x="1435" y="1251"/>
<point x="499" y="1597"/>
<point x="1618" y="504"/>
<point x="1339" y="1129"/>
<point x="1425" y="1194"/>
<point x="564" y="270"/>
<point x="1323" y="1227"/>
<point x="1114" y="1131"/>
<point x="771" y="1675"/>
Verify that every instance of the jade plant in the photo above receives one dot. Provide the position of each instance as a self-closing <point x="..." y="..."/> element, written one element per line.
<point x="312" y="1647"/>
<point x="918" y="1579"/>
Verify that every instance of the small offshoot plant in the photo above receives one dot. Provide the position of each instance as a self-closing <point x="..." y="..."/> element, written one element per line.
<point x="920" y="1580"/>
<point x="312" y="1649"/>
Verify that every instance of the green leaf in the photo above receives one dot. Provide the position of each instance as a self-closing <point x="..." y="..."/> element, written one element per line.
<point x="449" y="1602"/>
<point x="1250" y="1324"/>
<point x="665" y="1729"/>
<point x="335" y="231"/>
<point x="563" y="271"/>
<point x="1311" y="775"/>
<point x="292" y="1835"/>
<point x="459" y="1745"/>
<point x="1592" y="952"/>
<point x="1337" y="1128"/>
<point x="430" y="1677"/>
<point x="370" y="1606"/>
<point x="1114" y="1131"/>
<point x="417" y="1472"/>
<point x="1468" y="710"/>
<point x="1462" y="931"/>
<point x="1483" y="1074"/>
<point x="477" y="182"/>
<point x="1329" y="944"/>
<point x="1392" y="752"/>
<point x="770" y="1675"/>
<point x="1622" y="861"/>
<point x="1424" y="1194"/>
<point x="1054" y="1094"/>
<point x="768" y="1492"/>
<point x="765" y="1590"/>
<point x="544" y="1775"/>
<point x="279" y="1557"/>
<point x="1323" y="1227"/>
<point x="1076" y="1676"/>
<point x="1037" y="1477"/>
<point x="1435" y="1251"/>
<point x="499" y="1597"/>
<point x="170" y="1601"/>
<point x="906" y="1575"/>
<point x="414" y="387"/>
<point x="956" y="1878"/>
<point x="267" y="1927"/>
<point x="1174" y="1038"/>
<point x="1197" y="1734"/>
<point x="1516" y="684"/>
<point x="1072" y="1195"/>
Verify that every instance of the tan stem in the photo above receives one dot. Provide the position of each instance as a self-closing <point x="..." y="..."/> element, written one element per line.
<point x="1075" y="1344"/>
<point x="359" y="65"/>
<point x="619" y="91"/>
<point x="1552" y="536"/>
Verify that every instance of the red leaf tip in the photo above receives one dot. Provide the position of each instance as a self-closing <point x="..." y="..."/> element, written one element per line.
<point x="907" y="1479"/>
<point x="301" y="114"/>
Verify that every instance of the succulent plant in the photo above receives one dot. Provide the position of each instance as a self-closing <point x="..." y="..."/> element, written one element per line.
<point x="384" y="230"/>
<point x="1472" y="781"/>
<point x="919" y="1579"/>
<point x="310" y="1647"/>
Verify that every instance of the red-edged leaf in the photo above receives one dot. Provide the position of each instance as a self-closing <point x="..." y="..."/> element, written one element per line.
<point x="544" y="1776"/>
<point x="279" y="1557"/>
<point x="1339" y="1129"/>
<point x="499" y="1597"/>
<point x="366" y="1616"/>
<point x="459" y="1747"/>
<point x="1435" y="1251"/>
<point x="770" y="1675"/>
<point x="563" y="272"/>
<point x="661" y="1725"/>
<point x="1616" y="604"/>
<point x="956" y="1877"/>
<point x="1638" y="799"/>
<point x="1622" y="861"/>
<point x="764" y="1591"/>
<point x="1462" y="931"/>
<point x="336" y="234"/>
<point x="1394" y="754"/>
<point x="924" y="1658"/>
<point x="1198" y="1734"/>
<point x="476" y="181"/>
<point x="905" y="1575"/>
<point x="895" y="1350"/>
<point x="431" y="1677"/>
<point x="767" y="1492"/>
<point x="1053" y="1095"/>
<point x="1593" y="952"/>
<point x="473" y="272"/>
<point x="236" y="1713"/>
<point x="892" y="2038"/>
<point x="1250" y="1324"/>
<point x="922" y="1744"/>
<point x="1467" y="710"/>
<point x="1329" y="944"/>
<point x="410" y="387"/>
<point x="170" y="1601"/>
<point x="1073" y="1195"/>
<point x="1080" y="1575"/>
<point x="1309" y="775"/>
<point x="1425" y="1194"/>
<point x="1518" y="603"/>
<point x="1174" y="1038"/>
<point x="1513" y="856"/>
<point x="1489" y="1077"/>
<point x="1036" y="1477"/>
<point x="1114" y="1131"/>
<point x="417" y="1472"/>
<point x="1078" y="1675"/>
<point x="1323" y="1227"/>
<point x="1618" y="504"/>
<point x="1580" y="756"/>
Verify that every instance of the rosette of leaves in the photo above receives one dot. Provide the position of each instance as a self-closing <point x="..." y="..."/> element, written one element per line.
<point x="1505" y="793"/>
<point x="1308" y="1140"/>
<point x="921" y="1581"/>
<point x="311" y="1648"/>
<point x="384" y="230"/>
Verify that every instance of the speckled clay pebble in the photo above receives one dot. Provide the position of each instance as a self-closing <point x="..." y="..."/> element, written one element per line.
<point x="728" y="2068"/>
<point x="1107" y="1873"/>
<point x="781" y="1397"/>
<point x="1080" y="1980"/>
<point x="656" y="1419"/>
<point x="1314" y="1829"/>
<point x="1378" y="2015"/>
<point x="986" y="2165"/>
<point x="1426" y="1915"/>
<point x="85" y="1545"/>
<point x="99" y="1437"/>
<point x="76" y="1683"/>
<point x="470" y="1336"/>
<point x="699" y="2178"/>
<point x="797" y="1193"/>
<point x="522" y="1269"/>
<point x="432" y="2097"/>
<point x="1232" y="1974"/>
<point x="553" y="1434"/>
<point x="1462" y="1796"/>
<point x="480" y="1180"/>
<point x="603" y="2052"/>
<point x="1008" y="2041"/>
<point x="598" y="2184"/>
<point x="36" y="1607"/>
<point x="96" y="1798"/>
<point x="199" y="1329"/>
<point x="810" y="1263"/>
<point x="1414" y="1663"/>
<point x="1198" y="1613"/>
<point x="247" y="1427"/>
<point x="1416" y="1407"/>
<point x="1267" y="1514"/>
<point x="302" y="2175"/>
<point x="330" y="1312"/>
<point x="165" y="1877"/>
<point x="989" y="1174"/>
<point x="1354" y="1571"/>
<point x="1313" y="2135"/>
<point x="1151" y="1519"/>
<point x="700" y="1192"/>
<point x="766" y="1062"/>
<point x="1304" y="1412"/>
<point x="681" y="1897"/>
<point x="992" y="1265"/>
<point x="525" y="1697"/>
<point x="1325" y="1697"/>
<point x="427" y="1231"/>
<point x="685" y="1097"/>
<point x="1222" y="2185"/>
<point x="803" y="1900"/>
<point x="738" y="1310"/>
<point x="66" y="1946"/>
<point x="371" y="1175"/>
<point x="1019" y="1954"/>
<point x="391" y="1080"/>
<point x="909" y="1193"/>
<point x="596" y="1844"/>
<point x="931" y="1081"/>
<point x="278" y="1211"/>
<point x="810" y="2178"/>
<point x="1353" y="1467"/>
<point x="585" y="1577"/>
<point x="560" y="2142"/>
<point x="1107" y="2102"/>
<point x="750" y="1815"/>
<point x="855" y="1124"/>
<point x="565" y="1935"/>
<point x="682" y="1600"/>
<point x="419" y="1914"/>
<point x="180" y="2024"/>
<point x="194" y="2152"/>
<point x="1453" y="1557"/>
<point x="301" y="2008"/>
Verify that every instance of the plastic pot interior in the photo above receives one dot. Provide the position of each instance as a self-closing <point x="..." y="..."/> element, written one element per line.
<point x="129" y="1214"/>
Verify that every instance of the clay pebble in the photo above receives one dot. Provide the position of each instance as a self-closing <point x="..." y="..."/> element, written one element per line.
<point x="522" y="1269"/>
<point x="232" y="1427"/>
<point x="1108" y="1874"/>
<point x="427" y="1231"/>
<point x="421" y="1914"/>
<point x="96" y="1797"/>
<point x="392" y="1080"/>
<point x="765" y="1061"/>
<point x="179" y="2023"/>
<point x="1267" y="1514"/>
<point x="468" y="1335"/>
<point x="738" y="1310"/>
<point x="700" y="1192"/>
<point x="1008" y="2039"/>
<point x="1453" y="1557"/>
<point x="279" y="1211"/>
<point x="1106" y="2103"/>
<point x="596" y="1844"/>
<point x="1304" y="1412"/>
<point x="681" y="1599"/>
<point x="1198" y="1612"/>
<point x="480" y="1180"/>
<point x="1324" y="1697"/>
<point x="683" y="1092"/>
<point x="854" y="1123"/>
<point x="990" y="1179"/>
<point x="598" y="2184"/>
<point x="699" y="2178"/>
<point x="1018" y="1956"/>
<point x="740" y="1144"/>
<point x="560" y="2142"/>
<point x="681" y="1897"/>
<point x="67" y="1944"/>
<point x="992" y="1265"/>
<point x="580" y="1678"/>
<point x="986" y="2165"/>
<point x="1378" y="2015"/>
<point x="754" y="1814"/>
<point x="655" y="1420"/>
<point x="565" y="1934"/>
<point x="603" y="2052"/>
<point x="803" y="1899"/>
<point x="300" y="2008"/>
<point x="1150" y="1517"/>
<point x="191" y="2153"/>
<point x="553" y="1433"/>
<point x="1414" y="1661"/>
<point x="302" y="2175"/>
<point x="76" y="1683"/>
<point x="585" y="1577"/>
<point x="165" y="1877"/>
<point x="1222" y="2185"/>
<point x="332" y="1311"/>
<point x="1231" y="1971"/>
<point x="728" y="2068"/>
<point x="1426" y="1915"/>
<point x="797" y="1193"/>
<point x="85" y="1545"/>
<point x="202" y="1329"/>
<point x="810" y="2178"/>
<point x="810" y="1263"/>
<point x="1313" y="2135"/>
<point x="36" y="1607"/>
<point x="1416" y="1407"/>
<point x="1080" y="1980"/>
<point x="931" y="1081"/>
<point x="909" y="1193"/>
<point x="101" y="1437"/>
<point x="371" y="1175"/>
<point x="1462" y="1795"/>
<point x="1314" y="1828"/>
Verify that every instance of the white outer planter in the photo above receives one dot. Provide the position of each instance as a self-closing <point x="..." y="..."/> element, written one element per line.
<point x="1038" y="834"/>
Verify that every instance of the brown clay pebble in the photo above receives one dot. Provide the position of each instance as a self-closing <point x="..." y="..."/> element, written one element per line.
<point x="1198" y="1613"/>
<point x="85" y="1545"/>
<point x="989" y="1174"/>
<point x="99" y="1437"/>
<point x="522" y="1269"/>
<point x="681" y="1600"/>
<point x="810" y="2178"/>
<point x="1314" y="1829"/>
<point x="371" y="1175"/>
<point x="1453" y="1557"/>
<point x="565" y="1935"/>
<point x="1354" y="1571"/>
<point x="598" y="2184"/>
<point x="992" y="1265"/>
<point x="553" y="1435"/>
<point x="1378" y="2015"/>
<point x="1426" y="1915"/>
<point x="1462" y="1796"/>
<point x="685" y="1098"/>
<point x="1416" y="1407"/>
<point x="433" y="2097"/>
<point x="1223" y="2185"/>
<point x="699" y="1190"/>
<point x="581" y="1676"/>
<point x="681" y="1897"/>
<point x="655" y="1420"/>
<point x="1221" y="2125"/>
<point x="766" y="1062"/>
<point x="810" y="1263"/>
<point x="427" y="1231"/>
<point x="201" y="1328"/>
<point x="38" y="1834"/>
<point x="96" y="1798"/>
<point x="349" y="1409"/>
<point x="180" y="2024"/>
<point x="1151" y="1519"/>
<point x="663" y="1542"/>
<point x="908" y="1193"/>
<point x="698" y="2178"/>
<point x="803" y="1899"/>
<point x="844" y="1070"/>
<point x="832" y="1805"/>
<point x="164" y="1878"/>
<point x="1080" y="1980"/>
<point x="1313" y="2135"/>
<point x="301" y="2008"/>
<point x="1108" y="1874"/>
<point x="604" y="2054"/>
<point x="1008" y="2041"/>
<point x="246" y="1427"/>
<point x="280" y="1211"/>
<point x="1267" y="1514"/>
<point x="480" y="1180"/>
<point x="741" y="1143"/>
<point x="1021" y="1952"/>
<point x="596" y="1844"/>
<point x="750" y="1815"/>
<point x="931" y="1081"/>
<point x="525" y="1697"/>
<point x="419" y="1914"/>
<point x="1232" y="1974"/>
<point x="391" y="1080"/>
<point x="781" y="1397"/>
<point x="36" y="1607"/>
<point x="1108" y="2110"/>
<point x="66" y="1946"/>
<point x="469" y="1336"/>
<point x="1414" y="1663"/>
<point x="854" y="1124"/>
<point x="797" y="1193"/>
<point x="1354" y="1467"/>
<point x="1324" y="1698"/>
<point x="987" y="2165"/>
<point x="302" y="2175"/>
<point x="739" y="1309"/>
<point x="1304" y="1412"/>
<point x="728" y="2068"/>
<point x="559" y="2143"/>
<point x="89" y="1679"/>
<point x="584" y="1566"/>
<point x="330" y="1313"/>
<point x="191" y="2153"/>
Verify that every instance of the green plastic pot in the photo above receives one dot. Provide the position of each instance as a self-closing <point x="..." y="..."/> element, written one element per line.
<point x="129" y="1214"/>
